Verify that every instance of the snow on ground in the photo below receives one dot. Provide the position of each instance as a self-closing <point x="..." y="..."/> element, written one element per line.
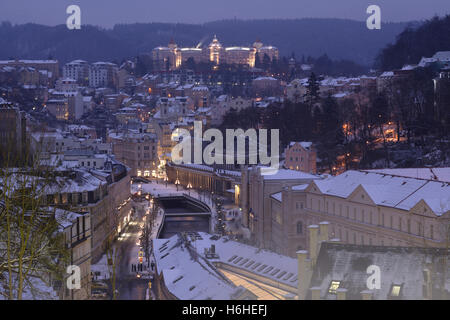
<point x="100" y="270"/>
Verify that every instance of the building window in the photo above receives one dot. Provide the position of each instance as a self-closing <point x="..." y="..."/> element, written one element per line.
<point x="299" y="227"/>
<point x="334" y="285"/>
<point x="396" y="291"/>
<point x="431" y="232"/>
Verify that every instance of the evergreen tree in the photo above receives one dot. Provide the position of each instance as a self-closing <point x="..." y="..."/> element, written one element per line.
<point x="313" y="90"/>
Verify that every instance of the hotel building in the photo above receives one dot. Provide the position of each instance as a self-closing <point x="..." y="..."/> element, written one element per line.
<point x="171" y="57"/>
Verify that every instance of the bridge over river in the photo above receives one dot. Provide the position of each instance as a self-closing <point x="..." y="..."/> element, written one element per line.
<point x="183" y="213"/>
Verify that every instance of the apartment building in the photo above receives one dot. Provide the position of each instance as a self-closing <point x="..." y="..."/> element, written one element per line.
<point x="301" y="156"/>
<point x="77" y="70"/>
<point x="137" y="150"/>
<point x="398" y="207"/>
<point x="12" y="129"/>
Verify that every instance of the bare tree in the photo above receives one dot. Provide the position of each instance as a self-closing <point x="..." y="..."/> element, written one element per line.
<point x="30" y="246"/>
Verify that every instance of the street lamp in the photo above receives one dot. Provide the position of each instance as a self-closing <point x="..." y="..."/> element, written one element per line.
<point x="189" y="187"/>
<point x="166" y="179"/>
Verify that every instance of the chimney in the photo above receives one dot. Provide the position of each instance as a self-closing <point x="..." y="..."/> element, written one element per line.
<point x="304" y="266"/>
<point x="313" y="243"/>
<point x="315" y="293"/>
<point x="323" y="231"/>
<point x="366" y="295"/>
<point x="341" y="294"/>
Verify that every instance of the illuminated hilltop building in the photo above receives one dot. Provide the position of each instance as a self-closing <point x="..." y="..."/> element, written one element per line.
<point x="215" y="51"/>
<point x="171" y="57"/>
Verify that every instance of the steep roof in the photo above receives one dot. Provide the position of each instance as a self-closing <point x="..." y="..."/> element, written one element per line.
<point x="402" y="266"/>
<point x="390" y="190"/>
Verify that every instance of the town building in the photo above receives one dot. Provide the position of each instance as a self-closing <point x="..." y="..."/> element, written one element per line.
<point x="257" y="186"/>
<point x="204" y="266"/>
<point x="50" y="66"/>
<point x="77" y="70"/>
<point x="171" y="57"/>
<point x="137" y="150"/>
<point x="331" y="270"/>
<point x="65" y="105"/>
<point x="103" y="75"/>
<point x="386" y="207"/>
<point x="266" y="87"/>
<point x="13" y="137"/>
<point x="301" y="156"/>
<point x="76" y="231"/>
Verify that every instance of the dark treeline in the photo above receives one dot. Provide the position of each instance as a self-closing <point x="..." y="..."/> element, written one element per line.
<point x="350" y="132"/>
<point x="415" y="42"/>
<point x="340" y="39"/>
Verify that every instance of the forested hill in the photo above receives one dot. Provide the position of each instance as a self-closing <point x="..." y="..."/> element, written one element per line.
<point x="416" y="42"/>
<point x="339" y="39"/>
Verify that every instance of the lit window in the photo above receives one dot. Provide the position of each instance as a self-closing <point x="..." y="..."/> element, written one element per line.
<point x="334" y="286"/>
<point x="395" y="290"/>
<point x="139" y="173"/>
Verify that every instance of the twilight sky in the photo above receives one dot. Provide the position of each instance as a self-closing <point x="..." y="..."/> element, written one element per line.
<point x="106" y="13"/>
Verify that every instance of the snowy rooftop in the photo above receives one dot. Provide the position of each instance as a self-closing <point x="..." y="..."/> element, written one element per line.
<point x="398" y="266"/>
<point x="286" y="174"/>
<point x="440" y="174"/>
<point x="304" y="144"/>
<point x="442" y="55"/>
<point x="187" y="275"/>
<point x="389" y="190"/>
<point x="170" y="253"/>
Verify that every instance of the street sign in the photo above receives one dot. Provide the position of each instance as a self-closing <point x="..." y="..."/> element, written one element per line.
<point x="141" y="260"/>
<point x="141" y="253"/>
